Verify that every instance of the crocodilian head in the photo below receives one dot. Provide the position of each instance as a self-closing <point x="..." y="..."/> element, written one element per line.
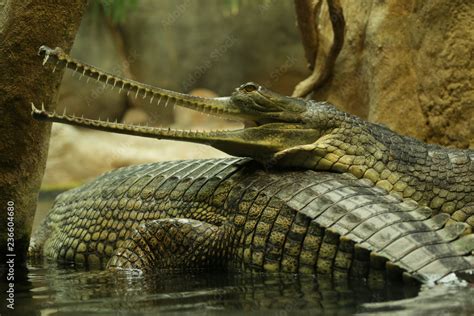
<point x="272" y="122"/>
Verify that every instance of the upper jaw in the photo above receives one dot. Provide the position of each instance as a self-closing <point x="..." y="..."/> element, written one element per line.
<point x="236" y="107"/>
<point x="223" y="107"/>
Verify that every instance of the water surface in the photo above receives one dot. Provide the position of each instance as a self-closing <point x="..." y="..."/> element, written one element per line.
<point x="44" y="288"/>
<point x="47" y="289"/>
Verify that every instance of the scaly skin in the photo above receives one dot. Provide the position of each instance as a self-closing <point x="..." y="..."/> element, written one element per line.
<point x="228" y="213"/>
<point x="225" y="213"/>
<point x="291" y="132"/>
<point x="441" y="178"/>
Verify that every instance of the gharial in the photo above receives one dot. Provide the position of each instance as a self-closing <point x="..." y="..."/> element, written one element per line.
<point x="321" y="191"/>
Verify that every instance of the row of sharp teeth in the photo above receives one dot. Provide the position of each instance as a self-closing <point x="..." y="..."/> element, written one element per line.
<point x="116" y="124"/>
<point x="54" y="114"/>
<point x="146" y="92"/>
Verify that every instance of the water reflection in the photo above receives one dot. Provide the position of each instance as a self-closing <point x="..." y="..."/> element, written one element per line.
<point x="51" y="290"/>
<point x="47" y="289"/>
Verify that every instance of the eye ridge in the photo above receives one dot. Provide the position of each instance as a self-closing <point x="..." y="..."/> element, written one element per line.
<point x="249" y="87"/>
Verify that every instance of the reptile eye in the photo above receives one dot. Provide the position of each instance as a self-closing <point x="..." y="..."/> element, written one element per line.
<point x="249" y="87"/>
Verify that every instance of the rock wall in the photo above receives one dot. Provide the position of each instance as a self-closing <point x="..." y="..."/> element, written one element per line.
<point x="409" y="65"/>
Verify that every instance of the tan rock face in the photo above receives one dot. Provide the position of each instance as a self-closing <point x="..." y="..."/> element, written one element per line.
<point x="409" y="65"/>
<point x="136" y="116"/>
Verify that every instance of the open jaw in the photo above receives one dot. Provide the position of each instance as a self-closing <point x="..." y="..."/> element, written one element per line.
<point x="260" y="139"/>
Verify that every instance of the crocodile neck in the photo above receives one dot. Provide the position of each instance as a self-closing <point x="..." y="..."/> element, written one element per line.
<point x="436" y="176"/>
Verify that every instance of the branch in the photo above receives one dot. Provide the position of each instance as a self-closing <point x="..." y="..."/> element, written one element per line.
<point x="307" y="13"/>
<point x="321" y="68"/>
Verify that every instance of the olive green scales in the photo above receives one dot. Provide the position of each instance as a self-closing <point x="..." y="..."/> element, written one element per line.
<point x="324" y="192"/>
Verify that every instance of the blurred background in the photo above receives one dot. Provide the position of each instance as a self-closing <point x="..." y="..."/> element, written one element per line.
<point x="206" y="48"/>
<point x="405" y="64"/>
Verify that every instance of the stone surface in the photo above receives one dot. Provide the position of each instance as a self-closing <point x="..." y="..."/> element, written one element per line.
<point x="409" y="65"/>
<point x="135" y="116"/>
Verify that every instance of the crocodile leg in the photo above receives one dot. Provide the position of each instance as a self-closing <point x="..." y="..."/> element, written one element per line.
<point x="361" y="155"/>
<point x="320" y="155"/>
<point x="173" y="243"/>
